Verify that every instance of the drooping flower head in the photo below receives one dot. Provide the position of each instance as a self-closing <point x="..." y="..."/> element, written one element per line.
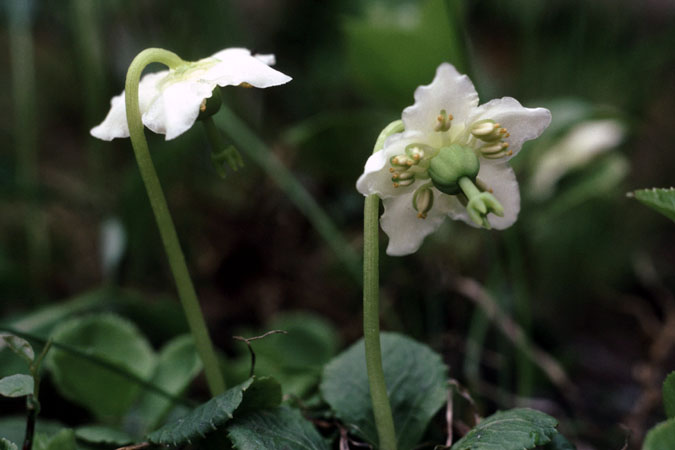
<point x="171" y="100"/>
<point x="451" y="159"/>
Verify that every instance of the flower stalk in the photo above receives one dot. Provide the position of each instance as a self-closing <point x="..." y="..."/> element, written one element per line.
<point x="384" y="420"/>
<point x="186" y="290"/>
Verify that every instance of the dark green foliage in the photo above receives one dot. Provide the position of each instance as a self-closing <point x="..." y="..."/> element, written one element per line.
<point x="662" y="200"/>
<point x="669" y="395"/>
<point x="661" y="437"/>
<point x="559" y="442"/>
<point x="516" y="429"/>
<point x="213" y="414"/>
<point x="279" y="428"/>
<point x="108" y="395"/>
<point x="177" y="365"/>
<point x="416" y="380"/>
<point x="98" y="434"/>
<point x="17" y="385"/>
<point x="63" y="440"/>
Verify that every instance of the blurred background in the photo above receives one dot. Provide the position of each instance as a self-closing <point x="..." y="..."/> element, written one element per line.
<point x="584" y="280"/>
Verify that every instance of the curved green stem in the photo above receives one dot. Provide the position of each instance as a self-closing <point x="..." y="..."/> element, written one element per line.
<point x="186" y="291"/>
<point x="384" y="420"/>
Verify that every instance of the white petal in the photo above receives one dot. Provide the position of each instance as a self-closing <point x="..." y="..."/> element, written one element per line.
<point x="450" y="91"/>
<point x="522" y="123"/>
<point x="115" y="123"/>
<point x="376" y="178"/>
<point x="406" y="231"/>
<point x="579" y="146"/>
<point x="268" y="59"/>
<point x="176" y="108"/>
<point x="238" y="66"/>
<point x="502" y="180"/>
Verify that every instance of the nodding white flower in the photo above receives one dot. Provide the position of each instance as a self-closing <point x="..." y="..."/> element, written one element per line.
<point x="171" y="100"/>
<point x="451" y="159"/>
<point x="583" y="143"/>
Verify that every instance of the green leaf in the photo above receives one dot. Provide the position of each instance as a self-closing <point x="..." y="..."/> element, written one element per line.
<point x="662" y="200"/>
<point x="310" y="342"/>
<point x="63" y="440"/>
<point x="416" y="379"/>
<point x="7" y="445"/>
<point x="661" y="437"/>
<point x="559" y="443"/>
<point x="177" y="366"/>
<point x="280" y="428"/>
<point x="19" y="346"/>
<point x="14" y="427"/>
<point x="263" y="393"/>
<point x="16" y="385"/>
<point x="669" y="395"/>
<point x="213" y="414"/>
<point x="383" y="47"/>
<point x="515" y="429"/>
<point x="295" y="359"/>
<point x="111" y="338"/>
<point x="98" y="434"/>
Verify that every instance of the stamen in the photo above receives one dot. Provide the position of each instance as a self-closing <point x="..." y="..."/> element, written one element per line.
<point x="423" y="201"/>
<point x="401" y="161"/>
<point x="494" y="148"/>
<point x="403" y="179"/>
<point x="443" y="121"/>
<point x="488" y="130"/>
<point x="497" y="155"/>
<point x="406" y="182"/>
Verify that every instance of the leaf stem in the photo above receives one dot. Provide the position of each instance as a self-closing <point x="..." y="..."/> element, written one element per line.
<point x="186" y="290"/>
<point x="384" y="421"/>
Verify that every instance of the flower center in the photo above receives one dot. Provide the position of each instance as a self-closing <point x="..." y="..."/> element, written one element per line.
<point x="453" y="167"/>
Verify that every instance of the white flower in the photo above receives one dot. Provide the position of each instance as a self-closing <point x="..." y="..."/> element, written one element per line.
<point x="450" y="160"/>
<point x="170" y="100"/>
<point x="579" y="147"/>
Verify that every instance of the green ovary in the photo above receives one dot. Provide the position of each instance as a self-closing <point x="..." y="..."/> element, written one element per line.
<point x="450" y="165"/>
